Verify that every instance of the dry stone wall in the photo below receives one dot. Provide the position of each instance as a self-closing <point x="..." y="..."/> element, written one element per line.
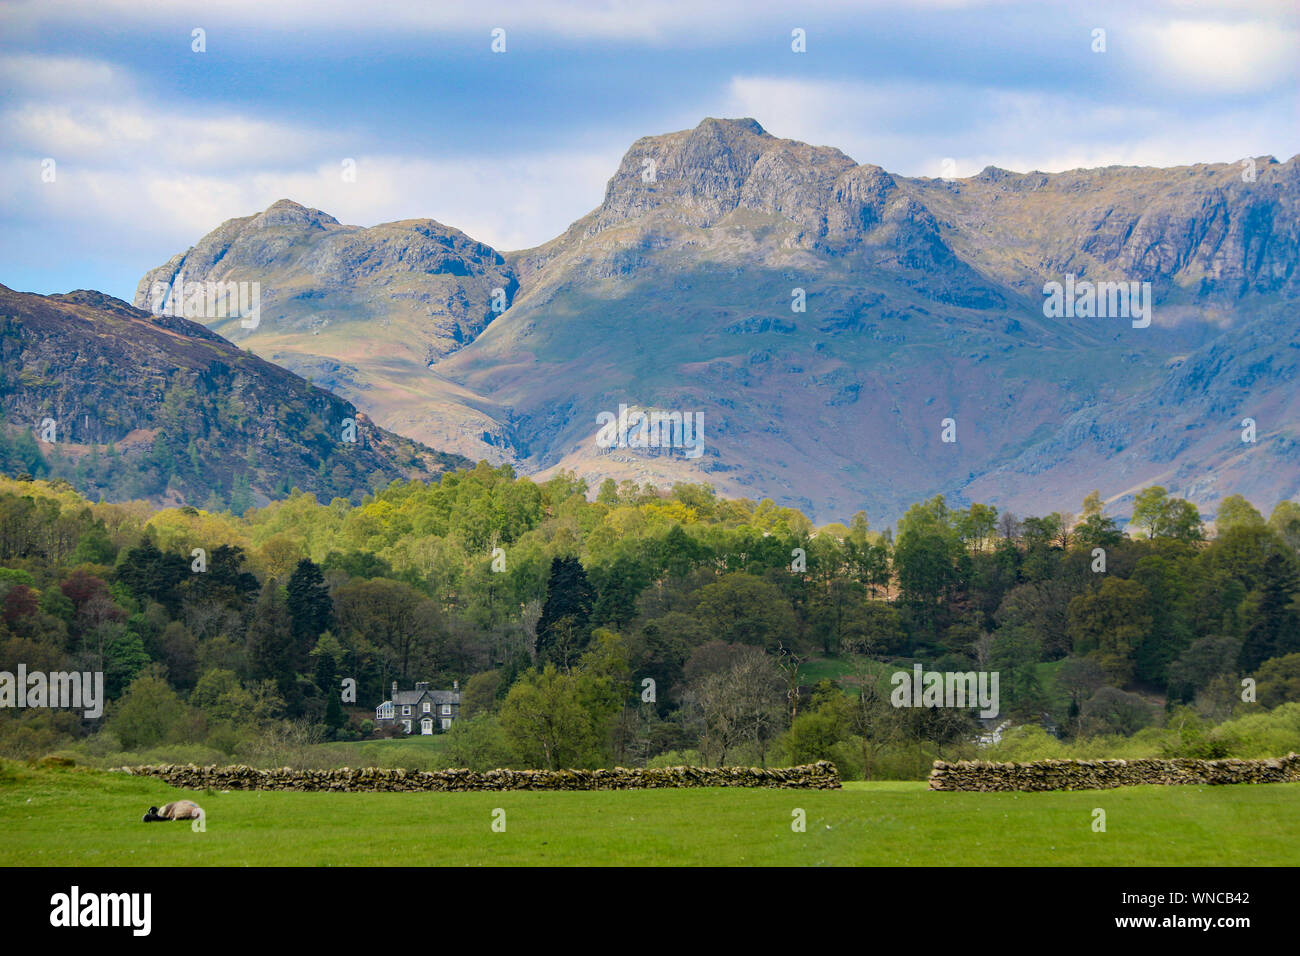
<point x="1104" y="774"/>
<point x="818" y="776"/>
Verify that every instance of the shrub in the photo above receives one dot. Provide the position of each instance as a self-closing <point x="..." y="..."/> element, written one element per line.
<point x="1112" y="710"/>
<point x="847" y="757"/>
<point x="1188" y="737"/>
<point x="677" y="758"/>
<point x="478" y="743"/>
<point x="1024" y="743"/>
<point x="147" y="712"/>
<point x="224" y="737"/>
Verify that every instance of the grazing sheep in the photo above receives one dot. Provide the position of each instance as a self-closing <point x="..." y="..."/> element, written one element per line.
<point x="180" y="810"/>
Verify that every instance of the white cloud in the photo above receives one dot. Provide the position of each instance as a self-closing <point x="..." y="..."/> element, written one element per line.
<point x="910" y="129"/>
<point x="667" y="22"/>
<point x="149" y="174"/>
<point x="119" y="134"/>
<point x="510" y="203"/>
<point x="44" y="75"/>
<point x="1217" y="56"/>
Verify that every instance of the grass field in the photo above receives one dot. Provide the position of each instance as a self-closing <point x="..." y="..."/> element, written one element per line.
<point x="79" y="817"/>
<point x="413" y="753"/>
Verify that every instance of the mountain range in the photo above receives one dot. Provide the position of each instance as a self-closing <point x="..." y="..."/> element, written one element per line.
<point x="848" y="338"/>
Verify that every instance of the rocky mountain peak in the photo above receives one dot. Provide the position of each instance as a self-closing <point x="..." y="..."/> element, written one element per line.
<point x="701" y="175"/>
<point x="746" y="124"/>
<point x="286" y="212"/>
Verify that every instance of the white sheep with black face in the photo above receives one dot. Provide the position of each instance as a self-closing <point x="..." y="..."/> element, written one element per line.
<point x="180" y="810"/>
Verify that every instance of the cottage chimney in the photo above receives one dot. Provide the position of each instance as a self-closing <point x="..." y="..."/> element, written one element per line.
<point x="421" y="685"/>
<point x="455" y="685"/>
<point x="394" y="690"/>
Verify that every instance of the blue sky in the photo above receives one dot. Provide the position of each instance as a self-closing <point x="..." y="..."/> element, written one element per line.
<point x="155" y="144"/>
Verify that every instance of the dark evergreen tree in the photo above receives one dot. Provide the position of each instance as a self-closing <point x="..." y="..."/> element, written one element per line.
<point x="225" y="579"/>
<point x="310" y="605"/>
<point x="327" y="680"/>
<point x="326" y="674"/>
<point x="335" y="719"/>
<point x="272" y="651"/>
<point x="925" y="564"/>
<point x="1272" y="631"/>
<point x="619" y="586"/>
<point x="1170" y="634"/>
<point x="565" y="625"/>
<point x="151" y="574"/>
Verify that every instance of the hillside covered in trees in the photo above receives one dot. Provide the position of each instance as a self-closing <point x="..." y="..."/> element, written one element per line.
<point x="646" y="626"/>
<point x="130" y="405"/>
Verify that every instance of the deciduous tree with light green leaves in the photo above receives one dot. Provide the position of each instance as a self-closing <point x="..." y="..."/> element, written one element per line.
<point x="545" y="722"/>
<point x="1236" y="511"/>
<point x="147" y="712"/>
<point x="1162" y="516"/>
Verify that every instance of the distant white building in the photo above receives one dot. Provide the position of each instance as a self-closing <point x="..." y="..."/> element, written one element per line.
<point x="994" y="736"/>
<point x="422" y="708"/>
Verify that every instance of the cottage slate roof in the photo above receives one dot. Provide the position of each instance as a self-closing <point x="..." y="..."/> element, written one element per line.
<point x="410" y="697"/>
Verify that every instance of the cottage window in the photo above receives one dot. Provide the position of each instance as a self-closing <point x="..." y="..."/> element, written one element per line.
<point x="446" y="710"/>
<point x="407" y="725"/>
<point x="406" y="711"/>
<point x="426" y="706"/>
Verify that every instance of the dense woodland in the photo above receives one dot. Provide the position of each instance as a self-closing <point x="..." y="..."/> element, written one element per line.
<point x="647" y="626"/>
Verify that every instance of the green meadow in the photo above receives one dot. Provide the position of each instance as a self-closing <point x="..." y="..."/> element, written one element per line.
<point x="82" y="817"/>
